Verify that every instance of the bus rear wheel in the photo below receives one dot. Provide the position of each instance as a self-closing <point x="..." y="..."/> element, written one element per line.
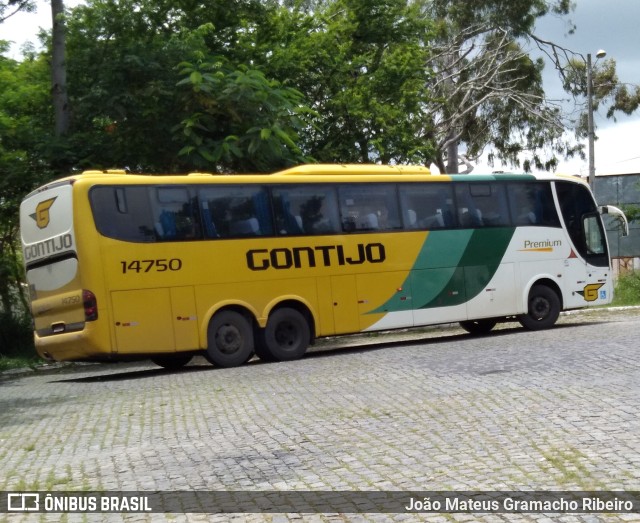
<point x="543" y="308"/>
<point x="229" y="339"/>
<point x="172" y="361"/>
<point x="478" y="326"/>
<point x="286" y="336"/>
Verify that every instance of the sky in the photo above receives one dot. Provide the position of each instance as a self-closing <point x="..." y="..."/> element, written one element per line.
<point x="611" y="25"/>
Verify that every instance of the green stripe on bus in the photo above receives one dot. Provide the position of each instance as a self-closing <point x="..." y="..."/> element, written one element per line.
<point x="475" y="269"/>
<point x="452" y="268"/>
<point x="434" y="267"/>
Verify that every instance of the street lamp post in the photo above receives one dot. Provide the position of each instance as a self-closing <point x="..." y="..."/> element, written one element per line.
<point x="590" y="131"/>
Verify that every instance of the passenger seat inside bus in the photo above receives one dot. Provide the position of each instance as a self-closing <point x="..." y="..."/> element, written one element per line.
<point x="370" y="222"/>
<point x="248" y="227"/>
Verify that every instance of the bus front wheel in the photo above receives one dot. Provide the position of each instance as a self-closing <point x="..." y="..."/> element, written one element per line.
<point x="286" y="336"/>
<point x="229" y="339"/>
<point x="543" y="308"/>
<point x="478" y="327"/>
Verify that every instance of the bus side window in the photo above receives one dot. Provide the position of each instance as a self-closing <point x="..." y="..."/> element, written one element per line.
<point x="532" y="204"/>
<point x="426" y="206"/>
<point x="487" y="205"/>
<point x="234" y="211"/>
<point x="305" y="210"/>
<point x="123" y="213"/>
<point x="173" y="214"/>
<point x="370" y="207"/>
<point x="208" y="224"/>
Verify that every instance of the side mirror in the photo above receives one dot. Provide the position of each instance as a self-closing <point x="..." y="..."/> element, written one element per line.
<point x="618" y="215"/>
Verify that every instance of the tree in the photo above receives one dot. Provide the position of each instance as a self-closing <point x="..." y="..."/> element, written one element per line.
<point x="123" y="72"/>
<point x="8" y="8"/>
<point x="411" y="81"/>
<point x="58" y="69"/>
<point x="361" y="67"/>
<point x="24" y="130"/>
<point x="238" y="120"/>
<point x="488" y="90"/>
<point x="608" y="90"/>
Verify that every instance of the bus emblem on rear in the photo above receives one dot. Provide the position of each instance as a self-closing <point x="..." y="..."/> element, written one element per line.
<point x="41" y="216"/>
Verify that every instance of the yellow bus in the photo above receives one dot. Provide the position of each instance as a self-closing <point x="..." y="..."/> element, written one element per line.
<point x="123" y="266"/>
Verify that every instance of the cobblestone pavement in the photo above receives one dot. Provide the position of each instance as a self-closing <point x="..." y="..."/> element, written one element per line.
<point x="422" y="411"/>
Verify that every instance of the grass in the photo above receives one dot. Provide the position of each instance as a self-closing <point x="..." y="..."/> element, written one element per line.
<point x="627" y="290"/>
<point x="20" y="362"/>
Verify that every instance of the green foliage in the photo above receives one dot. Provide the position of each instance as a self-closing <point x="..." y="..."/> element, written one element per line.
<point x="16" y="336"/>
<point x="121" y="84"/>
<point x="127" y="108"/>
<point x="10" y="7"/>
<point x="608" y="91"/>
<point x="24" y="128"/>
<point x="238" y="119"/>
<point x="518" y="15"/>
<point x="627" y="291"/>
<point x="361" y="66"/>
<point x="632" y="212"/>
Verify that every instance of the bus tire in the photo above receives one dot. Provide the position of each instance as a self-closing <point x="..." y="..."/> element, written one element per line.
<point x="478" y="327"/>
<point x="229" y="339"/>
<point x="543" y="308"/>
<point x="172" y="361"/>
<point x="286" y="336"/>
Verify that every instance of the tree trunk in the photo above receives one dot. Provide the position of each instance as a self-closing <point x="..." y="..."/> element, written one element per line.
<point x="58" y="70"/>
<point x="452" y="158"/>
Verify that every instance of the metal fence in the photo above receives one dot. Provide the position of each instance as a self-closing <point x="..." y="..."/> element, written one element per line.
<point x="621" y="190"/>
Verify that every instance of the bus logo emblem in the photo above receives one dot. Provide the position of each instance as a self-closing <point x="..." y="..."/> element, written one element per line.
<point x="41" y="216"/>
<point x="590" y="292"/>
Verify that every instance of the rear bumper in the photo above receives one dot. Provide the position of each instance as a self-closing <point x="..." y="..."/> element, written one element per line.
<point x="81" y="345"/>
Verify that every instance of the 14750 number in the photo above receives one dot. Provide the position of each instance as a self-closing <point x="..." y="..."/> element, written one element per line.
<point x="159" y="265"/>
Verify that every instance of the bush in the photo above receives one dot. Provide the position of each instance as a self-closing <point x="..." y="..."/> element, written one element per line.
<point x="627" y="290"/>
<point x="16" y="335"/>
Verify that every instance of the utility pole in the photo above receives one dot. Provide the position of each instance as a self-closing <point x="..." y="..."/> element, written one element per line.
<point x="590" y="132"/>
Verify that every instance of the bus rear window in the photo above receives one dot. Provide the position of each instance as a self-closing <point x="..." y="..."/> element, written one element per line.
<point x="145" y="214"/>
<point x="52" y="275"/>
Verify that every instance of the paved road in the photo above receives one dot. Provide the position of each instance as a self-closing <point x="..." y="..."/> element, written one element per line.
<point x="432" y="411"/>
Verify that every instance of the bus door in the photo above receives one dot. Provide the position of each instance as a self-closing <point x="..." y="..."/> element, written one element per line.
<point x="587" y="271"/>
<point x="588" y="276"/>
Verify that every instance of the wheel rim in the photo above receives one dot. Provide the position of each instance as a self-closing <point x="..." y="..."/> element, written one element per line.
<point x="229" y="339"/>
<point x="540" y="308"/>
<point x="287" y="335"/>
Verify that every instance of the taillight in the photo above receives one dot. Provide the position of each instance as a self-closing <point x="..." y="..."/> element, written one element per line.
<point x="90" y="305"/>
